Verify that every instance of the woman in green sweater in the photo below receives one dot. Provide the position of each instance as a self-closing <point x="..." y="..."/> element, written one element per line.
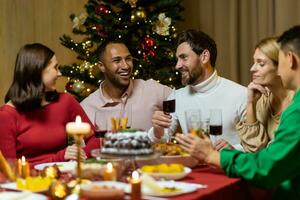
<point x="276" y="166"/>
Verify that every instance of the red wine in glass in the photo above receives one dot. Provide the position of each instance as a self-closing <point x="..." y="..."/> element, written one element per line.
<point x="100" y="134"/>
<point x="169" y="106"/>
<point x="215" y="129"/>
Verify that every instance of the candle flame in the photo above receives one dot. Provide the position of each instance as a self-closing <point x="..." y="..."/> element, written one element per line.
<point x="135" y="175"/>
<point x="23" y="159"/>
<point x="109" y="166"/>
<point x="78" y="119"/>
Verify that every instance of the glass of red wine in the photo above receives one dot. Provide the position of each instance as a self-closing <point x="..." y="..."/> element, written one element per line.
<point x="215" y="124"/>
<point x="169" y="105"/>
<point x="101" y="124"/>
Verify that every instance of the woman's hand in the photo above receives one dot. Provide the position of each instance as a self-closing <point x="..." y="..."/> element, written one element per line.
<point x="255" y="91"/>
<point x="221" y="144"/>
<point x="71" y="153"/>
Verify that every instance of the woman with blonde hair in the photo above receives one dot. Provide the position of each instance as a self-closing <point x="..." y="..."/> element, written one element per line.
<point x="266" y="98"/>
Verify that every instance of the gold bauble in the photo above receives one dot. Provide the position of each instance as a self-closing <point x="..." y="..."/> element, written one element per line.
<point x="51" y="172"/>
<point x="138" y="14"/>
<point x="58" y="190"/>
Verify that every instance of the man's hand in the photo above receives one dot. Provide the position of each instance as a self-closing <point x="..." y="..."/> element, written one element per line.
<point x="160" y="120"/>
<point x="221" y="144"/>
<point x="71" y="153"/>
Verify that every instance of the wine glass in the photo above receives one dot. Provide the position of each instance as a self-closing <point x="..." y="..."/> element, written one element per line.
<point x="101" y="124"/>
<point x="169" y="103"/>
<point x="215" y="124"/>
<point x="193" y="121"/>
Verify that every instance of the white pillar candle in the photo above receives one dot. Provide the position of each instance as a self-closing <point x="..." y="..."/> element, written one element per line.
<point x="78" y="127"/>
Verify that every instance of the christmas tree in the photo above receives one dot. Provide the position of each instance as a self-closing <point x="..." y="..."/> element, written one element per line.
<point x="147" y="26"/>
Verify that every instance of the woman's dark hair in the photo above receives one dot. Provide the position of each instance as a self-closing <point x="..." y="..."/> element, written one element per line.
<point x="27" y="89"/>
<point x="199" y="41"/>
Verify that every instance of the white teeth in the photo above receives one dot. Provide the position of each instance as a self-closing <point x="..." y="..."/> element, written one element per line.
<point x="124" y="74"/>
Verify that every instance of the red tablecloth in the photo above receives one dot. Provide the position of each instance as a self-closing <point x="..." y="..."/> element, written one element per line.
<point x="220" y="186"/>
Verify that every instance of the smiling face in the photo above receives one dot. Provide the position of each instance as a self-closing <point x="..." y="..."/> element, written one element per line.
<point x="189" y="65"/>
<point x="117" y="65"/>
<point x="50" y="74"/>
<point x="264" y="72"/>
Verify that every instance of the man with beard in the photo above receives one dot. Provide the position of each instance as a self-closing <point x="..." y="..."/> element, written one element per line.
<point x="205" y="90"/>
<point x="119" y="94"/>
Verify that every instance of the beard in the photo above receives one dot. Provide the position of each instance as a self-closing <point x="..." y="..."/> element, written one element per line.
<point x="118" y="83"/>
<point x="190" y="78"/>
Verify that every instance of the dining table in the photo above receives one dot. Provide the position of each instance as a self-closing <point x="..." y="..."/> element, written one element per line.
<point x="220" y="187"/>
<point x="215" y="185"/>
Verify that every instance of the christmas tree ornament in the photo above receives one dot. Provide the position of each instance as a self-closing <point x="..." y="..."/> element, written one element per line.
<point x="100" y="31"/>
<point x="87" y="44"/>
<point x="78" y="86"/>
<point x="78" y="22"/>
<point x="138" y="15"/>
<point x="131" y="2"/>
<point x="102" y="9"/>
<point x="58" y="190"/>
<point x="162" y="25"/>
<point x="148" y="43"/>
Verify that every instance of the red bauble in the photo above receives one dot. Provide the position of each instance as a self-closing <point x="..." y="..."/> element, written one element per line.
<point x="101" y="9"/>
<point x="100" y="31"/>
<point x="148" y="43"/>
<point x="150" y="53"/>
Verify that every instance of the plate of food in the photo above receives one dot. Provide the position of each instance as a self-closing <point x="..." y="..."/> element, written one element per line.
<point x="151" y="187"/>
<point x="165" y="171"/>
<point x="7" y="195"/>
<point x="62" y="166"/>
<point x="103" y="190"/>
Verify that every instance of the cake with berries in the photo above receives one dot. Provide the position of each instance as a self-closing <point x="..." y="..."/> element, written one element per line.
<point x="127" y="143"/>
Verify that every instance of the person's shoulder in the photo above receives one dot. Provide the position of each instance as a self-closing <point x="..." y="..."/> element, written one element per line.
<point x="8" y="110"/>
<point x="66" y="98"/>
<point x="150" y="83"/>
<point x="92" y="98"/>
<point x="233" y="85"/>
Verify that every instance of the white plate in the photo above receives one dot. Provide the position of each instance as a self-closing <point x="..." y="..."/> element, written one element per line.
<point x="21" y="196"/>
<point x="62" y="166"/>
<point x="13" y="186"/>
<point x="183" y="187"/>
<point x="118" y="185"/>
<point x="170" y="176"/>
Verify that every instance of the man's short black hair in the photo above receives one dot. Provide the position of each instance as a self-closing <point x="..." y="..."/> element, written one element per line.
<point x="102" y="47"/>
<point x="290" y="40"/>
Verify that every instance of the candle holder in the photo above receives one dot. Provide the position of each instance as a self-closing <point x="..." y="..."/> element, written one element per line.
<point x="78" y="130"/>
<point x="78" y="138"/>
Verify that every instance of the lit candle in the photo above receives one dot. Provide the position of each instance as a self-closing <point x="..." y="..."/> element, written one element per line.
<point x="25" y="170"/>
<point x="78" y="127"/>
<point x="135" y="182"/>
<point x="110" y="173"/>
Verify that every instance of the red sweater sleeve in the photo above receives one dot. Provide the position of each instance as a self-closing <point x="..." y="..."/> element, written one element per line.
<point x="8" y="133"/>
